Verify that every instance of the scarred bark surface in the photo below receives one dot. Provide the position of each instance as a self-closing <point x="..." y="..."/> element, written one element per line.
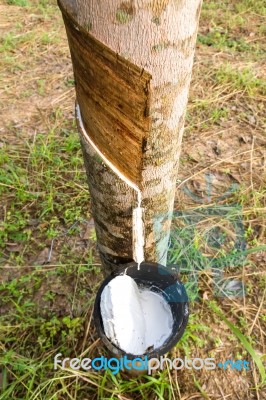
<point x="159" y="38"/>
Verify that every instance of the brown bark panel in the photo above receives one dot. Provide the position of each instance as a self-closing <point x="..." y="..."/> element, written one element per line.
<point x="113" y="95"/>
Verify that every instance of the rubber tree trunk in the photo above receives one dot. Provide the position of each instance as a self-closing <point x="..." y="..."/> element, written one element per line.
<point x="132" y="63"/>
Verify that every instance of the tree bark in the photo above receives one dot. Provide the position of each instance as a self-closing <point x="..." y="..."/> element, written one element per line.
<point x="132" y="63"/>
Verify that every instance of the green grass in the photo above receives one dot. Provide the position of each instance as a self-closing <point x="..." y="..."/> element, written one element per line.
<point x="42" y="181"/>
<point x="19" y="3"/>
<point x="244" y="80"/>
<point x="11" y="41"/>
<point x="227" y="26"/>
<point x="244" y="341"/>
<point x="223" y="41"/>
<point x="251" y="6"/>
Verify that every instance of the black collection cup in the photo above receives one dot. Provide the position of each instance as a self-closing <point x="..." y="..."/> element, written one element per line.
<point x="159" y="279"/>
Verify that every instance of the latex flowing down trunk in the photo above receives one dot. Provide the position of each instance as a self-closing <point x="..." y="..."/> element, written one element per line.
<point x="132" y="63"/>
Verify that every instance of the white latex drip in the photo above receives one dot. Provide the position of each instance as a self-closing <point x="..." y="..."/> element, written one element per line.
<point x="137" y="222"/>
<point x="138" y="229"/>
